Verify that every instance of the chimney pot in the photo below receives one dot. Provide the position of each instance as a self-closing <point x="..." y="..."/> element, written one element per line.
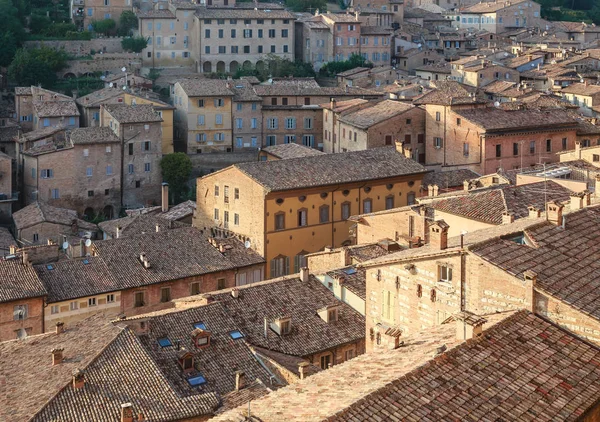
<point x="78" y="379"/>
<point x="25" y="257"/>
<point x="118" y="232"/>
<point x="302" y="369"/>
<point x="468" y="325"/>
<point x="554" y="211"/>
<point x="466" y="185"/>
<point x="304" y="273"/>
<point x="436" y="190"/>
<point x="508" y="217"/>
<point x="12" y="249"/>
<point x="165" y="197"/>
<point x="438" y="237"/>
<point x="577" y="201"/>
<point x="57" y="356"/>
<point x="429" y="190"/>
<point x="533" y="212"/>
<point x="60" y="327"/>
<point x="157" y="228"/>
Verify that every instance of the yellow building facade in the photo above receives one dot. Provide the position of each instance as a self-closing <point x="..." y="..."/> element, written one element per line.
<point x="165" y="111"/>
<point x="286" y="217"/>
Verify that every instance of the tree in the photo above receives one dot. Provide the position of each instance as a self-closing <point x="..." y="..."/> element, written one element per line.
<point x="56" y="60"/>
<point x="104" y="26"/>
<point x="10" y="21"/>
<point x="306" y="5"/>
<point x="176" y="171"/>
<point x="127" y="22"/>
<point x="27" y="69"/>
<point x="355" y="60"/>
<point x="135" y="44"/>
<point x="8" y="48"/>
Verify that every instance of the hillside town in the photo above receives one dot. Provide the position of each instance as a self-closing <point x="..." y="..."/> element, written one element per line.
<point x="371" y="210"/>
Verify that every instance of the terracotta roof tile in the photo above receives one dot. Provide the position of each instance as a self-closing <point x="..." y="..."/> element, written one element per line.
<point x="55" y="108"/>
<point x="40" y="212"/>
<point x="140" y="113"/>
<point x="286" y="151"/>
<point x="19" y="281"/>
<point x="376" y="113"/>
<point x="494" y="119"/>
<point x="93" y="135"/>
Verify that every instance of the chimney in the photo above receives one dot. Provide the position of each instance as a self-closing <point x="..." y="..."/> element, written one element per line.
<point x="346" y="259"/>
<point x="468" y="325"/>
<point x="304" y="273"/>
<point x="81" y="247"/>
<point x="577" y="150"/>
<point x="235" y="293"/>
<point x="78" y="379"/>
<point x="60" y="327"/>
<point x="436" y="190"/>
<point x="576" y="201"/>
<point x="165" y="197"/>
<point x="399" y="147"/>
<point x="240" y="380"/>
<point x="157" y="228"/>
<point x="266" y="327"/>
<point x="466" y="185"/>
<point x="12" y="249"/>
<point x="554" y="212"/>
<point x="222" y="248"/>
<point x="118" y="232"/>
<point x="534" y="212"/>
<point x="530" y="277"/>
<point x="126" y="412"/>
<point x="429" y="190"/>
<point x="587" y="198"/>
<point x="438" y="236"/>
<point x="508" y="217"/>
<point x="57" y="356"/>
<point x="25" y="257"/>
<point x="332" y="103"/>
<point x="302" y="369"/>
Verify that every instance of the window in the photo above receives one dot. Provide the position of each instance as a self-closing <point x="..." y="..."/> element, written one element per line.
<point x="89" y="172"/>
<point x="90" y="193"/>
<point x="437" y="142"/>
<point x="54" y="309"/>
<point x="138" y="299"/>
<point x="260" y="34"/>
<point x="308" y="140"/>
<point x="596" y="157"/>
<point x="36" y="237"/>
<point x="289" y="139"/>
<point x="73" y="306"/>
<point x="284" y="101"/>
<point x="271" y="140"/>
<point x="106" y="191"/>
<point x="55" y="194"/>
<point x="138" y="184"/>
<point x="253" y="122"/>
<point x="220" y="33"/>
<point x="367" y="206"/>
<point x="410" y="198"/>
<point x="86" y="152"/>
<point x="438" y="116"/>
<point x="532" y="147"/>
<point x="216" y="214"/>
<point x="308" y="123"/>
<point x="280" y="266"/>
<point x="220" y="283"/>
<point x="165" y="294"/>
<point x="272" y="122"/>
<point x="564" y="143"/>
<point x="389" y="202"/>
<point x="387" y="305"/>
<point x="110" y="298"/>
<point x="92" y="301"/>
<point x="236" y="219"/>
<point x="194" y="288"/>
<point x="47" y="173"/>
<point x="279" y="221"/>
<point x="272" y="49"/>
<point x="130" y="148"/>
<point x="326" y="361"/>
<point x="548" y="145"/>
<point x="290" y="123"/>
<point x="226" y="194"/>
<point x="130" y="169"/>
<point x="218" y="119"/>
<point x="147" y="167"/>
<point x="247" y="33"/>
<point x="345" y="210"/>
<point x="201" y="120"/>
<point x="20" y="312"/>
<point x="271" y="33"/>
<point x="302" y="217"/>
<point x="239" y="142"/>
<point x="239" y="123"/>
<point x="146" y="146"/>
<point x="498" y="150"/>
<point x="444" y="273"/>
<point x="274" y="101"/>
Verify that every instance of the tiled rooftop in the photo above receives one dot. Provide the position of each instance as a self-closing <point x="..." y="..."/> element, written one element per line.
<point x="94" y="99"/>
<point x="448" y="179"/>
<point x="6" y="240"/>
<point x="490" y="6"/>
<point x="292" y="150"/>
<point x="582" y="89"/>
<point x="40" y="212"/>
<point x="93" y="135"/>
<point x="139" y="224"/>
<point x="447" y="93"/>
<point x="489" y="205"/>
<point x="55" y="108"/>
<point x="376" y="113"/>
<point x="179" y="211"/>
<point x="354" y="280"/>
<point x="263" y="12"/>
<point x="566" y="260"/>
<point x="493" y="119"/>
<point x="19" y="281"/>
<point x="141" y="113"/>
<point x="202" y="87"/>
<point x="328" y="169"/>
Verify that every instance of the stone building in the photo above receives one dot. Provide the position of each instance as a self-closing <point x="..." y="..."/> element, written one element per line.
<point x="376" y="124"/>
<point x="81" y="173"/>
<point x="501" y="16"/>
<point x="286" y="218"/>
<point x="85" y="12"/>
<point x="585" y="96"/>
<point x="7" y="196"/>
<point x="39" y="108"/>
<point x="38" y="223"/>
<point x="139" y="130"/>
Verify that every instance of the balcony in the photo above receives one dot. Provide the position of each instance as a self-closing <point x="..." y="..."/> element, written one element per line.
<point x="78" y="2"/>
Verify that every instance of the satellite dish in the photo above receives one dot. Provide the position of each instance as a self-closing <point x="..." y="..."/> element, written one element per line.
<point x="581" y="80"/>
<point x="270" y="81"/>
<point x="496" y="104"/>
<point x="110" y="85"/>
<point x="532" y="64"/>
<point x="123" y="69"/>
<point x="103" y="77"/>
<point x="124" y="88"/>
<point x="88" y="243"/>
<point x="505" y="54"/>
<point x="419" y="45"/>
<point x="247" y="244"/>
<point x="65" y="245"/>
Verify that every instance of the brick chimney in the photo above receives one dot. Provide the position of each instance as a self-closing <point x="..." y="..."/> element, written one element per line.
<point x="240" y="380"/>
<point x="554" y="211"/>
<point x="302" y="369"/>
<point x="399" y="146"/>
<point x="466" y="185"/>
<point x="25" y="257"/>
<point x="578" y="150"/>
<point x="126" y="412"/>
<point x="587" y="198"/>
<point x="508" y="217"/>
<point x="468" y="325"/>
<point x="118" y="232"/>
<point x="429" y="190"/>
<point x="438" y="235"/>
<point x="332" y="103"/>
<point x="436" y="190"/>
<point x="577" y="201"/>
<point x="78" y="379"/>
<point x="304" y="273"/>
<point x="165" y="197"/>
<point x="534" y="212"/>
<point x="57" y="356"/>
<point x="12" y="249"/>
<point x="60" y="327"/>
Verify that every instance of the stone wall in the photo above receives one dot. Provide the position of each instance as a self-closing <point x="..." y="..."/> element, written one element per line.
<point x="105" y="63"/>
<point x="83" y="47"/>
<point x="208" y="163"/>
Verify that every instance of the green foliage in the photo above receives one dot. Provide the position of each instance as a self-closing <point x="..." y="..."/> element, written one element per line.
<point x="105" y="26"/>
<point x="55" y="59"/>
<point x="277" y="67"/>
<point x="8" y="48"/>
<point x="306" y="5"/>
<point x="176" y="171"/>
<point x="39" y="23"/>
<point x="127" y="22"/>
<point x="59" y="29"/>
<point x="342" y="4"/>
<point x="82" y="85"/>
<point x="333" y="68"/>
<point x="135" y="44"/>
<point x="154" y="74"/>
<point x="571" y="10"/>
<point x="11" y="21"/>
<point x="26" y="69"/>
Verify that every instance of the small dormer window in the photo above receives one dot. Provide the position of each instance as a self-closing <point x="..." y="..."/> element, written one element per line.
<point x="286" y="327"/>
<point x="329" y="313"/>
<point x="282" y="326"/>
<point x="200" y="337"/>
<point x="186" y="361"/>
<point x="332" y="315"/>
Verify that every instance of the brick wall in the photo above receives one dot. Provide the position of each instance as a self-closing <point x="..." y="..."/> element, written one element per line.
<point x="32" y="325"/>
<point x="394" y="224"/>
